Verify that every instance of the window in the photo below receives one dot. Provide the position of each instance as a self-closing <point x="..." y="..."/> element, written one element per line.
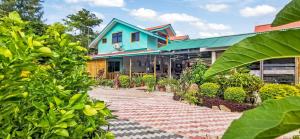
<point x="135" y="37"/>
<point x="117" y="37"/>
<point x="114" y="66"/>
<point x="104" y="40"/>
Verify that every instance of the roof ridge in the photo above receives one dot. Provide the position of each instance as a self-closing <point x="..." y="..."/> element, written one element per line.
<point x="216" y="37"/>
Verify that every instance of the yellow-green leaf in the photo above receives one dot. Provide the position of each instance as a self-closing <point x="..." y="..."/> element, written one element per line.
<point x="289" y="14"/>
<point x="99" y="105"/>
<point x="89" y="111"/>
<point x="62" y="132"/>
<point x="5" y="52"/>
<point x="45" y="51"/>
<point x="30" y="42"/>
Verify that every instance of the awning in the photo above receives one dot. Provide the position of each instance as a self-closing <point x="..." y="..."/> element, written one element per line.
<point x="215" y="42"/>
<point x="122" y="54"/>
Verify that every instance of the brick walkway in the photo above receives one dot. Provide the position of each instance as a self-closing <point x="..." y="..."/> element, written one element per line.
<point x="157" y="115"/>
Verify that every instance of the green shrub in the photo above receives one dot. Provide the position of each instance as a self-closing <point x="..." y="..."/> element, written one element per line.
<point x="163" y="82"/>
<point x="150" y="82"/>
<point x="105" y="82"/>
<point x="124" y="81"/>
<point x="248" y="82"/>
<point x="236" y="94"/>
<point x="191" y="97"/>
<point x="277" y="91"/>
<point x="209" y="89"/>
<point x="44" y="86"/>
<point x="197" y="73"/>
<point x="137" y="81"/>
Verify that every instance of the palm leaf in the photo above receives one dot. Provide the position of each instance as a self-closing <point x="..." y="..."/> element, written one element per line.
<point x="289" y="14"/>
<point x="276" y="44"/>
<point x="272" y="119"/>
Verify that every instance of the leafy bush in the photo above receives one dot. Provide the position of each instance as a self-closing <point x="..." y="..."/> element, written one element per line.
<point x="198" y="71"/>
<point x="163" y="82"/>
<point x="233" y="106"/>
<point x="106" y="82"/>
<point x="191" y="97"/>
<point x="236" y="94"/>
<point x="248" y="82"/>
<point x="137" y="81"/>
<point x="124" y="81"/>
<point x="277" y="91"/>
<point x="150" y="82"/>
<point x="44" y="86"/>
<point x="209" y="89"/>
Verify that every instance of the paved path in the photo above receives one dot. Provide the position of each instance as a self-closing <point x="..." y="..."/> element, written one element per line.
<point x="157" y="115"/>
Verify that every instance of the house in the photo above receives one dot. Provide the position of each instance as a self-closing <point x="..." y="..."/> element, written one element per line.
<point x="127" y="49"/>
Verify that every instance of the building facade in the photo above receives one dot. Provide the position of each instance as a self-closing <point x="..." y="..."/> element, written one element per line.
<point x="127" y="49"/>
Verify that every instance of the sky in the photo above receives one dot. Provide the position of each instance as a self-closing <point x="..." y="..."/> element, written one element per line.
<point x="196" y="18"/>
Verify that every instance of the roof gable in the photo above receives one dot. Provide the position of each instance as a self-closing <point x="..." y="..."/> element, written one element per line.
<point x="112" y="23"/>
<point x="168" y="28"/>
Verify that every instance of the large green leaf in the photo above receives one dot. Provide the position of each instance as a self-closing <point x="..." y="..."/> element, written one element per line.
<point x="271" y="120"/>
<point x="276" y="44"/>
<point x="290" y="13"/>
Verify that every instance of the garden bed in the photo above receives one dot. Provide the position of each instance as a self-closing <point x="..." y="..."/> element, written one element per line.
<point x="233" y="106"/>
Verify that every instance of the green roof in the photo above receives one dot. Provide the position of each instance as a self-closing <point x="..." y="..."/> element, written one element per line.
<point x="215" y="42"/>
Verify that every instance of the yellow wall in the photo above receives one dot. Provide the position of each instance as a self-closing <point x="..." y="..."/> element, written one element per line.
<point x="94" y="66"/>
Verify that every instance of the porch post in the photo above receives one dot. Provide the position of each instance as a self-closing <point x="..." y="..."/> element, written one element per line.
<point x="213" y="57"/>
<point x="154" y="63"/>
<point x="261" y="69"/>
<point x="297" y="70"/>
<point x="130" y="67"/>
<point x="170" y="67"/>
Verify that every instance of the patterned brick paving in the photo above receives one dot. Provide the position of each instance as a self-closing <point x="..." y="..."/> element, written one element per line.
<point x="156" y="115"/>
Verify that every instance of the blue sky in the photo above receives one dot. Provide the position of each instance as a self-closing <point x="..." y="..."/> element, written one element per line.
<point x="197" y="18"/>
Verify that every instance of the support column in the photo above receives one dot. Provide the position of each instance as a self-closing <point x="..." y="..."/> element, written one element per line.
<point x="261" y="69"/>
<point x="297" y="70"/>
<point x="213" y="57"/>
<point x="154" y="65"/>
<point x="130" y="67"/>
<point x="170" y="68"/>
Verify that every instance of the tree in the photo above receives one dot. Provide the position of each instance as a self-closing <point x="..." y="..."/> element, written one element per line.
<point x="29" y="10"/>
<point x="83" y="21"/>
<point x="274" y="117"/>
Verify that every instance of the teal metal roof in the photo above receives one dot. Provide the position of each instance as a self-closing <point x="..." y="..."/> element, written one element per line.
<point x="205" y="43"/>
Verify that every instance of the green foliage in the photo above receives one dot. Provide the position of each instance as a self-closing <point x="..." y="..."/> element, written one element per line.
<point x="247" y="81"/>
<point x="29" y="10"/>
<point x="277" y="91"/>
<point x="290" y="13"/>
<point x="209" y="89"/>
<point x="272" y="119"/>
<point x="275" y="117"/>
<point x="185" y="80"/>
<point x="236" y="94"/>
<point x="150" y="82"/>
<point x="124" y="81"/>
<point x="137" y="81"/>
<point x="269" y="45"/>
<point x="198" y="71"/>
<point x="106" y="82"/>
<point x="191" y="97"/>
<point x="163" y="82"/>
<point x="44" y="86"/>
<point x="83" y="21"/>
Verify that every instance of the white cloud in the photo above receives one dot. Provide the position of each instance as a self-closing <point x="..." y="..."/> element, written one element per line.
<point x="99" y="15"/>
<point x="176" y="17"/>
<point x="210" y="26"/>
<point x="214" y="34"/>
<point x="259" y="10"/>
<point x="205" y="28"/>
<point x="216" y="7"/>
<point x="143" y="13"/>
<point x="100" y="3"/>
